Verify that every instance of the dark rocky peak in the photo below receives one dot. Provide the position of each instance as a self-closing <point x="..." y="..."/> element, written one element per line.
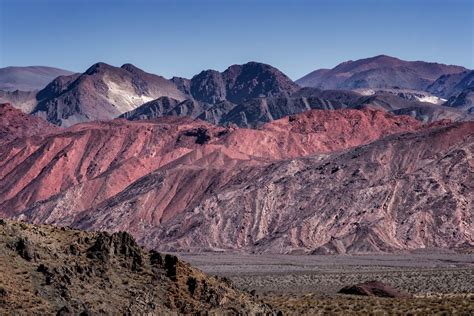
<point x="208" y="86"/>
<point x="99" y="67"/>
<point x="183" y="84"/>
<point x="131" y="68"/>
<point x="253" y="80"/>
<point x="57" y="86"/>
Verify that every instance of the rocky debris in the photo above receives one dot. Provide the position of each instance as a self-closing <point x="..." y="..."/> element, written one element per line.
<point x="374" y="288"/>
<point x="103" y="278"/>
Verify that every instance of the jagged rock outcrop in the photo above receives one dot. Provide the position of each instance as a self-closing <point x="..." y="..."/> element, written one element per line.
<point x="83" y="273"/>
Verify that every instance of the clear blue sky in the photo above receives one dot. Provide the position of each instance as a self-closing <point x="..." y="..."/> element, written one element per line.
<point x="179" y="37"/>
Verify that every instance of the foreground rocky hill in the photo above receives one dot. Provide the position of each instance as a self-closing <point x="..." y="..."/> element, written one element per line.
<point x="48" y="270"/>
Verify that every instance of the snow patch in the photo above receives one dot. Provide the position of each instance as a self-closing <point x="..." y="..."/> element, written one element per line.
<point x="124" y="97"/>
<point x="365" y="92"/>
<point x="430" y="99"/>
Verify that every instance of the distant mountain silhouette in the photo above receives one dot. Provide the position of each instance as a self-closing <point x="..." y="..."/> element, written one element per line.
<point x="29" y="78"/>
<point x="378" y="72"/>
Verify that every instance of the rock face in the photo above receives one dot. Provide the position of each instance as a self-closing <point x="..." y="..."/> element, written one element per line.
<point x="374" y="288"/>
<point x="452" y="84"/>
<point x="103" y="92"/>
<point x="463" y="100"/>
<point x="83" y="162"/>
<point x="47" y="270"/>
<point x="458" y="89"/>
<point x="378" y="72"/>
<point x="183" y="85"/>
<point x="15" y="124"/>
<point x="31" y="78"/>
<point x="240" y="83"/>
<point x="153" y="109"/>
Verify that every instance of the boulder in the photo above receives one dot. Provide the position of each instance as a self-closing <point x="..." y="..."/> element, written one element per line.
<point x="374" y="288"/>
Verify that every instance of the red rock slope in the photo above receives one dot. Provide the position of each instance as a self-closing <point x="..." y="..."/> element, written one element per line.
<point x="178" y="184"/>
<point x="91" y="162"/>
<point x="16" y="124"/>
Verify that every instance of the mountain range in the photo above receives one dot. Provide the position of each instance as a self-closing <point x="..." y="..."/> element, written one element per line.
<point x="249" y="94"/>
<point x="376" y="157"/>
<point x="181" y="184"/>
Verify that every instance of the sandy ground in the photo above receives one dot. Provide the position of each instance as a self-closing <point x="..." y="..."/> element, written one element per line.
<point x="422" y="274"/>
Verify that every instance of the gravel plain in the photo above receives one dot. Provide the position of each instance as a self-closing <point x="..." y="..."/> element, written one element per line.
<point x="417" y="273"/>
<point x="442" y="283"/>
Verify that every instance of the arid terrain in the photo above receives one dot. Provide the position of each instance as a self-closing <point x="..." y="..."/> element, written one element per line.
<point x="439" y="280"/>
<point x="48" y="270"/>
<point x="291" y="199"/>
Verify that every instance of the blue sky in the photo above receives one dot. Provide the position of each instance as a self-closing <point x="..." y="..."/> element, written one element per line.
<point x="183" y="37"/>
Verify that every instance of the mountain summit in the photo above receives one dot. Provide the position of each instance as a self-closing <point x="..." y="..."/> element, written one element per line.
<point x="378" y="72"/>
<point x="102" y="92"/>
<point x="239" y="83"/>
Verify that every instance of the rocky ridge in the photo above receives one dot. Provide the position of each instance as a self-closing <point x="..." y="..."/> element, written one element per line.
<point x="49" y="270"/>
